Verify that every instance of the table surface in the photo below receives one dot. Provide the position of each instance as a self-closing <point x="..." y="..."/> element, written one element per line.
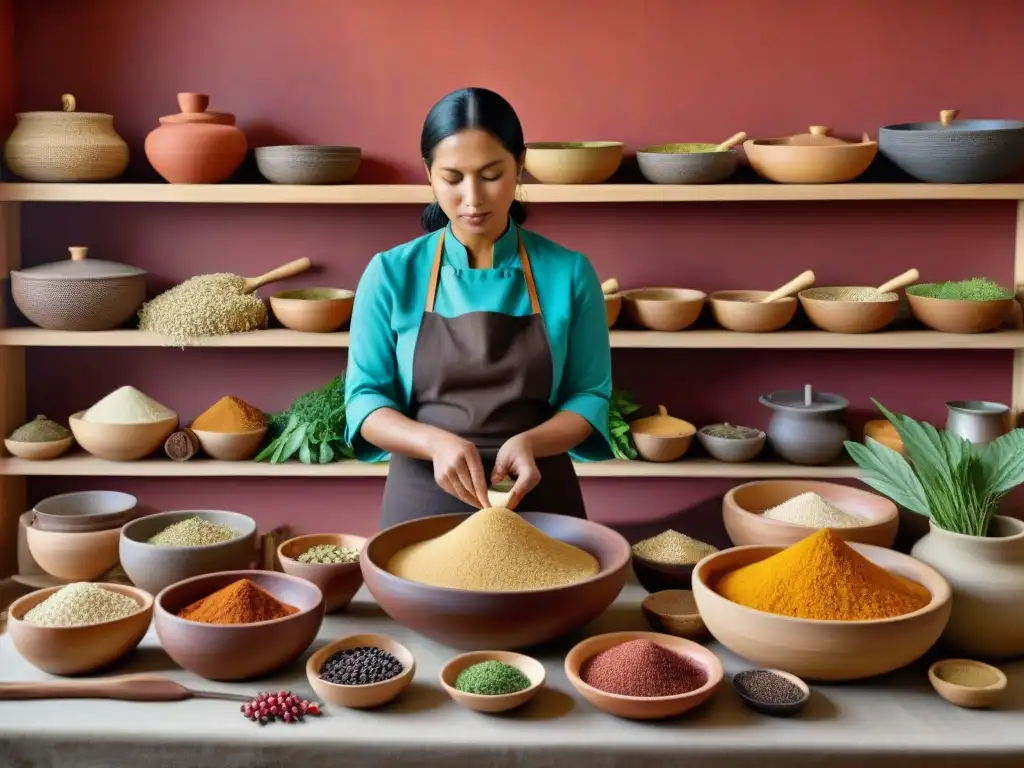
<point x="897" y="720"/>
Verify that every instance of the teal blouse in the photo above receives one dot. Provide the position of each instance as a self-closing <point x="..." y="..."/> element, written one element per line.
<point x="389" y="305"/>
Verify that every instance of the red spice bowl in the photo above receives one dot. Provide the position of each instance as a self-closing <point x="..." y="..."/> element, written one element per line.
<point x="338" y="581"/>
<point x="238" y="651"/>
<point x="643" y="707"/>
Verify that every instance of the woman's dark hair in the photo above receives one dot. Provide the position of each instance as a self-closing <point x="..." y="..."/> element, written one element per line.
<point x="461" y="110"/>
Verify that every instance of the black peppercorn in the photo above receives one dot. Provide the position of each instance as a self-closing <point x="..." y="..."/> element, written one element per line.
<point x="364" y="665"/>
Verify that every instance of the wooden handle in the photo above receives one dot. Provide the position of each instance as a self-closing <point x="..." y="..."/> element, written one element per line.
<point x="797" y="284"/>
<point x="125" y="688"/>
<point x="947" y="116"/>
<point x="731" y="142"/>
<point x="900" y="281"/>
<point x="610" y="287"/>
<point x="290" y="269"/>
<point x="78" y="252"/>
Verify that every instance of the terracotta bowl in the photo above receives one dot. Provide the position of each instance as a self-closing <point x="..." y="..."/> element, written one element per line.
<point x="307" y="164"/>
<point x="582" y="162"/>
<point x="51" y="449"/>
<point x="741" y="311"/>
<point x="338" y="581"/>
<point x="848" y="316"/>
<point x="951" y="316"/>
<point x="496" y="620"/>
<point x="657" y="577"/>
<point x="636" y="707"/>
<point x="742" y="509"/>
<point x="777" y="161"/>
<point x="662" y="448"/>
<point x="153" y="567"/>
<point x="121" y="442"/>
<point x="675" y="611"/>
<point x="231" y="446"/>
<point x="612" y="308"/>
<point x="313" y="310"/>
<point x="361" y="696"/>
<point x="74" y="556"/>
<point x="77" y="650"/>
<point x="683" y="163"/>
<point x="530" y="667"/>
<point x="815" y="649"/>
<point x="664" y="309"/>
<point x="84" y="511"/>
<point x="885" y="433"/>
<point x="967" y="696"/>
<point x="731" y="449"/>
<point x="238" y="651"/>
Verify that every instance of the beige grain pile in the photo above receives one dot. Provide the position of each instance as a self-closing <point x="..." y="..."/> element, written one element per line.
<point x="81" y="604"/>
<point x="811" y="510"/>
<point x="127" y="405"/>
<point x="206" y="305"/>
<point x="494" y="550"/>
<point x="855" y="294"/>
<point x="673" y="548"/>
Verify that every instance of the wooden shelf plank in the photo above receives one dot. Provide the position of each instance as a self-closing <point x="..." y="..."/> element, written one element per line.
<point x="391" y="194"/>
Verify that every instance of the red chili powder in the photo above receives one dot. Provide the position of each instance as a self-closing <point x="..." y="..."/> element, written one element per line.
<point x="643" y="668"/>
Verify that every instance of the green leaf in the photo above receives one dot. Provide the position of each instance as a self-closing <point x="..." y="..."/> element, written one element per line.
<point x="1002" y="462"/>
<point x="295" y="441"/>
<point x="888" y="473"/>
<point x="305" y="455"/>
<point x="326" y="453"/>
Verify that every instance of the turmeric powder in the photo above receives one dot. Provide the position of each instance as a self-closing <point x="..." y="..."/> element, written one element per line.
<point x="230" y="414"/>
<point x="821" y="577"/>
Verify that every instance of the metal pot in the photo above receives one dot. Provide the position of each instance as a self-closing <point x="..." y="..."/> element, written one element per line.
<point x="807" y="427"/>
<point x="977" y="420"/>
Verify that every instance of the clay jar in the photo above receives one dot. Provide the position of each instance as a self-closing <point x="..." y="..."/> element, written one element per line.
<point x="196" y="146"/>
<point x="807" y="427"/>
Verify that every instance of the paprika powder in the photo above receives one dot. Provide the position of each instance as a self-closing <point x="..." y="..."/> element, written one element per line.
<point x="241" y="602"/>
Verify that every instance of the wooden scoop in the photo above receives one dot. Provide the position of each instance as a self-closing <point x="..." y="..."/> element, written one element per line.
<point x="900" y="281"/>
<point x="290" y="269"/>
<point x="731" y="142"/>
<point x="121" y="687"/>
<point x="797" y="284"/>
<point x="947" y="116"/>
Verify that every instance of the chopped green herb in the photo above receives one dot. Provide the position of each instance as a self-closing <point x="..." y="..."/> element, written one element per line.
<point x="974" y="289"/>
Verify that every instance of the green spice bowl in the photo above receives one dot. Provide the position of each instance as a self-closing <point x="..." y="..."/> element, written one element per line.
<point x="338" y="581"/>
<point x="530" y="667"/>
<point x="958" y="315"/>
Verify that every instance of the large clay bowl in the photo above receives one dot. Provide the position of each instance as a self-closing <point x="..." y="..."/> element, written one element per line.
<point x="664" y="309"/>
<point x="573" y="162"/>
<point x="744" y="505"/>
<point x="338" y="581"/>
<point x="496" y="620"/>
<point x="950" y="316"/>
<point x="361" y="696"/>
<point x="964" y="152"/>
<point x="742" y="311"/>
<point x="74" y="555"/>
<point x="154" y="567"/>
<point x="848" y="316"/>
<point x="77" y="650"/>
<point x="822" y="650"/>
<point x="777" y="161"/>
<point x="121" y="442"/>
<point x="238" y="651"/>
<point x="84" y="511"/>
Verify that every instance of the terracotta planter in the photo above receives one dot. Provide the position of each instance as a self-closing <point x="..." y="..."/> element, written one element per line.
<point x="196" y="146"/>
<point x="986" y="574"/>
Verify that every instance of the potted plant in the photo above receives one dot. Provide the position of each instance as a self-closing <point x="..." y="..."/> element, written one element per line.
<point x="958" y="485"/>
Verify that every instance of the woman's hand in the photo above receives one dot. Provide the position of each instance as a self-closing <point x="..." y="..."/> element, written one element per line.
<point x="516" y="459"/>
<point x="458" y="469"/>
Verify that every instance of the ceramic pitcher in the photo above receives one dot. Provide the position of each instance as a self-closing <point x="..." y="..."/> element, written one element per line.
<point x="977" y="420"/>
<point x="807" y="427"/>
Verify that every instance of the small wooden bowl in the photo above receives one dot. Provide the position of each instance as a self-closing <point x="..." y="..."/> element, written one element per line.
<point x="768" y="707"/>
<point x="612" y="308"/>
<point x="45" y="451"/>
<point x="338" y="581"/>
<point x="675" y="611"/>
<point x="950" y="316"/>
<point x="313" y="310"/>
<point x="664" y="309"/>
<point x="121" y="442"/>
<point x="230" y="446"/>
<point x="361" y="696"/>
<point x="74" y="556"/>
<point x="573" y="162"/>
<point x="530" y="667"/>
<point x="848" y="316"/>
<point x="638" y="707"/>
<point x="963" y="695"/>
<point x="885" y="433"/>
<point x="742" y="311"/>
<point x="659" y="448"/>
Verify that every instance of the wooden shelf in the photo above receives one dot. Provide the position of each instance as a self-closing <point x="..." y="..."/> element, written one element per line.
<point x="700" y="339"/>
<point x="397" y="194"/>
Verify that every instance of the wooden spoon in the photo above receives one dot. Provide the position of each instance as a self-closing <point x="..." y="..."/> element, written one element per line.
<point x="290" y="269"/>
<point x="731" y="142"/>
<point x="797" y="284"/>
<point x="610" y="287"/>
<point x="900" y="281"/>
<point x="121" y="687"/>
<point x="947" y="116"/>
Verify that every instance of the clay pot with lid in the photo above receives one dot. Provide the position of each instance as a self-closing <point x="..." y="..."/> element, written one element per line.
<point x="810" y="158"/>
<point x="808" y="427"/>
<point x="79" y="294"/>
<point x="196" y="146"/>
<point x="66" y="146"/>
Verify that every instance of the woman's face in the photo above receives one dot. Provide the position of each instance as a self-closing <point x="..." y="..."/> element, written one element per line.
<point x="474" y="179"/>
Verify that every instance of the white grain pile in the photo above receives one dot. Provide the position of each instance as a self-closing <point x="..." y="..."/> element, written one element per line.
<point x="206" y="305"/>
<point x="127" y="405"/>
<point x="81" y="604"/>
<point x="813" y="511"/>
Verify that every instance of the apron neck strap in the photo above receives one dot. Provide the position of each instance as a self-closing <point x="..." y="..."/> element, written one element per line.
<point x="524" y="258"/>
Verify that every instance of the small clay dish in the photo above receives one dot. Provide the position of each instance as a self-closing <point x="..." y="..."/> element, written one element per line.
<point x="675" y="611"/>
<point x="44" y="451"/>
<point x="664" y="309"/>
<point x="769" y="707"/>
<point x="230" y="446"/>
<point x="338" y="581"/>
<point x="661" y="437"/>
<point x="987" y="693"/>
<point x="838" y="316"/>
<point x="959" y="316"/>
<point x="658" y="577"/>
<point x="361" y="696"/>
<point x="742" y="311"/>
<point x="313" y="310"/>
<point x="745" y="447"/>
<point x="81" y="511"/>
<point x="530" y="667"/>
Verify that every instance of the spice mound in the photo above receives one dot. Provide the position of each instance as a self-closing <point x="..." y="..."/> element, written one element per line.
<point x="241" y="602"/>
<point x="811" y="510"/>
<point x="364" y="665"/>
<point x="206" y="305"/>
<point x="729" y="431"/>
<point x="643" y="668"/>
<point x="328" y="554"/>
<point x="673" y="548"/>
<point x="766" y="686"/>
<point x="974" y="289"/>
<point x="40" y="430"/>
<point x="81" y="604"/>
<point x="192" y="532"/>
<point x="821" y="577"/>
<point x="850" y="294"/>
<point x="283" y="705"/>
<point x="492" y="678"/>
<point x="231" y="415"/>
<point x="127" y="405"/>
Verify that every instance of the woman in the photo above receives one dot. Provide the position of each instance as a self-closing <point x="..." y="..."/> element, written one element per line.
<point x="479" y="352"/>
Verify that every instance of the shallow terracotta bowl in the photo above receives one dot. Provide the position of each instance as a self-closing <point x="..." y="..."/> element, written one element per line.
<point x="529" y="666"/>
<point x="573" y="162"/>
<point x="45" y="451"/>
<point x="664" y="309"/>
<point x="951" y="316"/>
<point x="338" y="581"/>
<point x="121" y="442"/>
<point x="742" y="311"/>
<point x="313" y="310"/>
<point x="74" y="555"/>
<point x="231" y="446"/>
<point x="361" y="696"/>
<point x="848" y="316"/>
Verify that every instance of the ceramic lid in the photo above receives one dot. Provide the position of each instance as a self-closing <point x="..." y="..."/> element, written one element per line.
<point x="78" y="267"/>
<point x="806" y="400"/>
<point x="817" y="136"/>
<point x="947" y="123"/>
<point x="193" y="110"/>
<point x="68" y="111"/>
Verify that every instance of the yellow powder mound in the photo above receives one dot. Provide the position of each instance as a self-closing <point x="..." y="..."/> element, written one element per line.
<point x="821" y="577"/>
<point x="494" y="550"/>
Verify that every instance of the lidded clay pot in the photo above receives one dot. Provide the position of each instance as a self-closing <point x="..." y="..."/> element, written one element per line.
<point x="196" y="146"/>
<point x="807" y="427"/>
<point x="66" y="146"/>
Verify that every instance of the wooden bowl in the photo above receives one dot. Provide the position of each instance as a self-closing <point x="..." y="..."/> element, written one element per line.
<point x="121" y="442"/>
<point x="76" y="555"/>
<point x="658" y="577"/>
<point x="612" y="308"/>
<point x="664" y="309"/>
<point x="313" y="310"/>
<point x="768" y="707"/>
<point x="637" y="707"/>
<point x="230" y="446"/>
<point x="662" y="448"/>
<point x="238" y="651"/>
<point x="361" y="696"/>
<point x="84" y="511"/>
<point x="731" y="449"/>
<point x="742" y="311"/>
<point x="816" y="649"/>
<point x="970" y="697"/>
<point x="582" y="162"/>
<point x="778" y="161"/>
<point x="848" y="316"/>
<point x="884" y="432"/>
<point x="473" y="620"/>
<point x="530" y="667"/>
<point x="675" y="611"/>
<point x="45" y="451"/>
<point x="78" y="650"/>
<point x="744" y="505"/>
<point x="951" y="316"/>
<point x="338" y="581"/>
<point x="683" y="163"/>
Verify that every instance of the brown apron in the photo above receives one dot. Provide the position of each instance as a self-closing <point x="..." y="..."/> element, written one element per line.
<point x="484" y="376"/>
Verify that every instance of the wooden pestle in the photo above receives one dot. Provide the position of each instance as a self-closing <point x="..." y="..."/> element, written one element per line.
<point x="731" y="142"/>
<point x="610" y="287"/>
<point x="290" y="269"/>
<point x="900" y="281"/>
<point x="122" y="687"/>
<point x="800" y="282"/>
<point x="947" y="116"/>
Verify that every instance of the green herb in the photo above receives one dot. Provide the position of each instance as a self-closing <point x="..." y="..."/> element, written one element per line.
<point x="952" y="481"/>
<point x="491" y="678"/>
<point x="622" y="405"/>
<point x="313" y="428"/>
<point x="974" y="289"/>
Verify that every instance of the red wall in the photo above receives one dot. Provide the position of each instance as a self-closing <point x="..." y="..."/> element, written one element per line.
<point x="323" y="71"/>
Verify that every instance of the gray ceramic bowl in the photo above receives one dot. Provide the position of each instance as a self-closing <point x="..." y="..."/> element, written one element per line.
<point x="731" y="449"/>
<point x="154" y="567"/>
<point x="83" y="511"/>
<point x="967" y="152"/>
<point x="300" y="164"/>
<point x="672" y="164"/>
